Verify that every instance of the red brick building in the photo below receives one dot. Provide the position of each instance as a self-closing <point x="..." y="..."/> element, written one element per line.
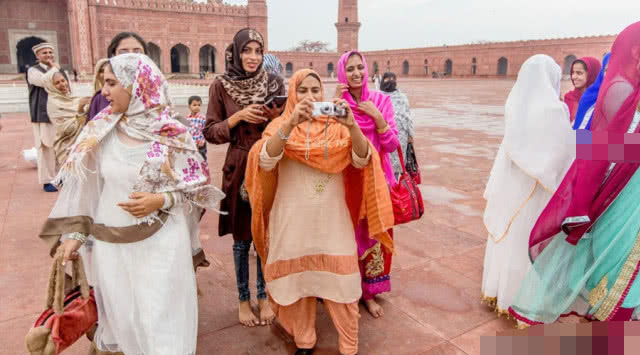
<point x="187" y="37"/>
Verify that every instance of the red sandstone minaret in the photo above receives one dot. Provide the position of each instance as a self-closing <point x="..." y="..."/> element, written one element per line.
<point x="347" y="25"/>
<point x="257" y="18"/>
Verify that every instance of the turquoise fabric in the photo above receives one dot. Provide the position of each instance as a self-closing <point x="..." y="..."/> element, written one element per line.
<point x="563" y="274"/>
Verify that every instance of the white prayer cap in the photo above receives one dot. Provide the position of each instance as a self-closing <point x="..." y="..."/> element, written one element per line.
<point x="40" y="46"/>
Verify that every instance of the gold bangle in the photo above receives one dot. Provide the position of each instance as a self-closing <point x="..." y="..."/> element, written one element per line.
<point x="171" y="200"/>
<point x="383" y="130"/>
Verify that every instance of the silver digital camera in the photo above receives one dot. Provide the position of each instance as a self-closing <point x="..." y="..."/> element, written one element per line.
<point x="328" y="109"/>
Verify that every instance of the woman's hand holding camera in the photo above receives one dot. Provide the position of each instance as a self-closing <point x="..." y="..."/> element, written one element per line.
<point x="301" y="112"/>
<point x="347" y="120"/>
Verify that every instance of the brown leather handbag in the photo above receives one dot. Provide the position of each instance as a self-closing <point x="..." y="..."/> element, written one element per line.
<point x="67" y="317"/>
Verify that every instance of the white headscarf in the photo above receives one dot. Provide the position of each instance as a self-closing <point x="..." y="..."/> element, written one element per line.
<point x="538" y="145"/>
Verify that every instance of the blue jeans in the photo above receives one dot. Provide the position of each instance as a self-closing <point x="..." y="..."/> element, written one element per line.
<point x="241" y="261"/>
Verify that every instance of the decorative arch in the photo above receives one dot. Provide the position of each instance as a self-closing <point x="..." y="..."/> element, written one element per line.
<point x="503" y="66"/>
<point x="155" y="53"/>
<point x="289" y="68"/>
<point x="474" y="66"/>
<point x="207" y="57"/>
<point x="426" y="67"/>
<point x="405" y="67"/>
<point x="448" y="67"/>
<point x="25" y="55"/>
<point x="330" y="69"/>
<point x="568" y="61"/>
<point x="180" y="58"/>
<point x="376" y="68"/>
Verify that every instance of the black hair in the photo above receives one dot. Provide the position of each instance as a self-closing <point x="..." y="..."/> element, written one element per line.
<point x="194" y="98"/>
<point x="580" y="61"/>
<point x="115" y="42"/>
<point x="355" y="53"/>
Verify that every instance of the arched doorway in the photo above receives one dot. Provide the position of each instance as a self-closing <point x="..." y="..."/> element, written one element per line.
<point x="426" y="67"/>
<point x="26" y="57"/>
<point x="405" y="67"/>
<point x="330" y="69"/>
<point x="474" y="65"/>
<point x="179" y="58"/>
<point x="376" y="68"/>
<point x="503" y="65"/>
<point x="155" y="53"/>
<point x="289" y="68"/>
<point x="568" y="61"/>
<point x="207" y="58"/>
<point x="448" y="67"/>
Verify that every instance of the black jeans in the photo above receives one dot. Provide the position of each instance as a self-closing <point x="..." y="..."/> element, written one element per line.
<point x="241" y="261"/>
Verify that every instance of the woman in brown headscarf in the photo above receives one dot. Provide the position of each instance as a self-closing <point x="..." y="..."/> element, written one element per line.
<point x="236" y="115"/>
<point x="311" y="180"/>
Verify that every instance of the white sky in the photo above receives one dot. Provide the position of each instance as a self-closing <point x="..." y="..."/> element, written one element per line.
<point x="394" y="24"/>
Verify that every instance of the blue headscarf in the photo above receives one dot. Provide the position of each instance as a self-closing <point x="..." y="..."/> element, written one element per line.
<point x="272" y="64"/>
<point x="588" y="99"/>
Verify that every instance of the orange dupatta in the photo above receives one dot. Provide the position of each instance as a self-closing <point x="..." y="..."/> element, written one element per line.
<point x="367" y="193"/>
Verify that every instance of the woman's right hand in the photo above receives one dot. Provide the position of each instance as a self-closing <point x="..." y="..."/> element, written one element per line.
<point x="302" y="112"/>
<point x="340" y="89"/>
<point x="250" y="114"/>
<point x="70" y="248"/>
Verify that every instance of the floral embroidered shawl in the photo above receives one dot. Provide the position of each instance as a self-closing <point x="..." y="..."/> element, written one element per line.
<point x="173" y="163"/>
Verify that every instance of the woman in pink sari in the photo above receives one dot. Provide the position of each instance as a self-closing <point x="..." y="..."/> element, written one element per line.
<point x="373" y="112"/>
<point x="586" y="242"/>
<point x="584" y="72"/>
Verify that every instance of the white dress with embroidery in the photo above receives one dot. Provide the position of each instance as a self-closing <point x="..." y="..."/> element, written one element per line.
<point x="145" y="291"/>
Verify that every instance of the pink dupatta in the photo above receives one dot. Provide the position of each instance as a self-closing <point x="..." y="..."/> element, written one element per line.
<point x="385" y="143"/>
<point x="590" y="186"/>
<point x="572" y="98"/>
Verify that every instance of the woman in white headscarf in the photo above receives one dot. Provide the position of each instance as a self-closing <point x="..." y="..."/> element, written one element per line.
<point x="134" y="183"/>
<point x="66" y="112"/>
<point x="537" y="149"/>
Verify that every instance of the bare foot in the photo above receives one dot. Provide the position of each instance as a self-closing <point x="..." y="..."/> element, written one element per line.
<point x="266" y="314"/>
<point x="374" y="308"/>
<point x="246" y="315"/>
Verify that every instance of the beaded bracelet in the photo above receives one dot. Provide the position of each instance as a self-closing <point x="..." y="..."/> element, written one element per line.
<point x="78" y="236"/>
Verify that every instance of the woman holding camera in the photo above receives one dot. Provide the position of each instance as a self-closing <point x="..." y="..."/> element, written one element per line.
<point x="311" y="179"/>
<point x="373" y="111"/>
<point x="237" y="115"/>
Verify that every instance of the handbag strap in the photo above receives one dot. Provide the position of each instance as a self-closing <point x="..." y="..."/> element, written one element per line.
<point x="404" y="168"/>
<point x="55" y="290"/>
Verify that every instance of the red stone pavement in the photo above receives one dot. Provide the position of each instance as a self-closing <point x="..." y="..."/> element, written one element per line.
<point x="434" y="307"/>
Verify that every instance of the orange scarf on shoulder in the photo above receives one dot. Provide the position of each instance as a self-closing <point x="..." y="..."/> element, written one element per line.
<point x="325" y="145"/>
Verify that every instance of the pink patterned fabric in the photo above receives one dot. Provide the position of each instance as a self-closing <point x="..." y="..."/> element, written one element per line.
<point x="588" y="187"/>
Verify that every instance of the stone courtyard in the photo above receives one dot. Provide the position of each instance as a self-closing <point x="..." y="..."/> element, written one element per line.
<point x="434" y="307"/>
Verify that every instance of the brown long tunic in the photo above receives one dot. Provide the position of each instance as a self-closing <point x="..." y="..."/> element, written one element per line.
<point x="241" y="138"/>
